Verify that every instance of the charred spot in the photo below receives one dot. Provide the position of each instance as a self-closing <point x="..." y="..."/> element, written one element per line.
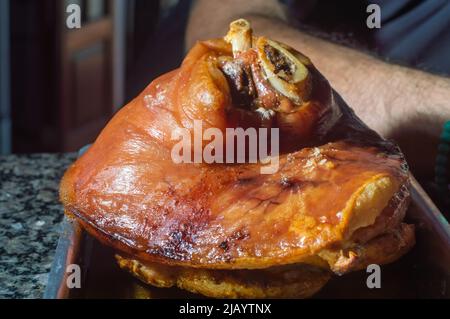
<point x="176" y="236"/>
<point x="240" y="80"/>
<point x="227" y="243"/>
<point x="279" y="60"/>
<point x="180" y="242"/>
<point x="287" y="183"/>
<point x="246" y="181"/>
<point x="177" y="247"/>
<point x="224" y="245"/>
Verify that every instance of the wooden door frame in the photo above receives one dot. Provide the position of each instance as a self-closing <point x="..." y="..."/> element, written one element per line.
<point x="74" y="39"/>
<point x="119" y="11"/>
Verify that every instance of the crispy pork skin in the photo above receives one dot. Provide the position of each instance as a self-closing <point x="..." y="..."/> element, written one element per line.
<point x="336" y="203"/>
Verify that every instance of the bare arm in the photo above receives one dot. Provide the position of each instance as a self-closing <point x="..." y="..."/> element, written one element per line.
<point x="407" y="105"/>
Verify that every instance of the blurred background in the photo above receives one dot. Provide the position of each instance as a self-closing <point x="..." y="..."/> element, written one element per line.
<point x="60" y="86"/>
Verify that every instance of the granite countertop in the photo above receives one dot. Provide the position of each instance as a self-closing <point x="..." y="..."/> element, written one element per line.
<point x="30" y="215"/>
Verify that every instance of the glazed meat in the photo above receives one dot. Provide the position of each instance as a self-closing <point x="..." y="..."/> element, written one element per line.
<point x="335" y="203"/>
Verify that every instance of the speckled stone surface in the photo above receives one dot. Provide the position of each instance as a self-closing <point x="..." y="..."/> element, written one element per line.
<point x="29" y="221"/>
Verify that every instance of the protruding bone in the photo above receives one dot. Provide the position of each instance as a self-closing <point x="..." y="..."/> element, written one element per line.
<point x="285" y="72"/>
<point x="284" y="68"/>
<point x="240" y="36"/>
